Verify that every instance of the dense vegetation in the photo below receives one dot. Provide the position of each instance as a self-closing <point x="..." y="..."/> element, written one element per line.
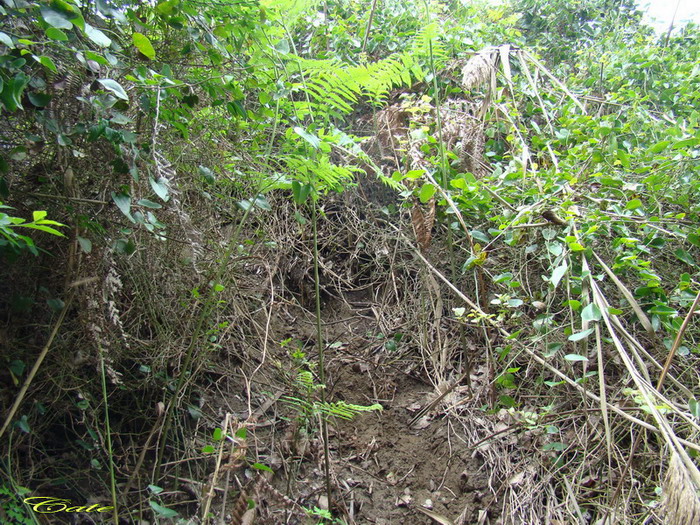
<point x="242" y="239"/>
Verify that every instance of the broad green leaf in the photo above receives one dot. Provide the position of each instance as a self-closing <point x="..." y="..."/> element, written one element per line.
<point x="208" y="449"/>
<point x="217" y="435"/>
<point x="207" y="174"/>
<point x="659" y="146"/>
<point x="237" y="109"/>
<point x="114" y="87"/>
<point x="55" y="18"/>
<point x="163" y="511"/>
<point x="149" y="204"/>
<point x="426" y="192"/>
<point x="155" y="489"/>
<point x="46" y="62"/>
<point x="261" y="202"/>
<point x="694" y="407"/>
<point x="308" y="137"/>
<point x="300" y="192"/>
<point x="633" y="204"/>
<point x="7" y="40"/>
<point x="144" y="45"/>
<point x="85" y="244"/>
<point x="558" y="273"/>
<point x="591" y="313"/>
<point x="56" y="34"/>
<point x="241" y="433"/>
<point x="580" y="335"/>
<point x="575" y="357"/>
<point x="123" y="202"/>
<point x="38" y="215"/>
<point x="168" y="7"/>
<point x="97" y="36"/>
<point x="623" y="157"/>
<point x="662" y="309"/>
<point x="684" y="256"/>
<point x="161" y="188"/>
<point x="260" y="466"/>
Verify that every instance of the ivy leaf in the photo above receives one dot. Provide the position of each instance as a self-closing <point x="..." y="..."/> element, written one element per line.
<point x="260" y="466"/>
<point x="149" y="204"/>
<point x="163" y="511"/>
<point x="426" y="192"/>
<point x="308" y="137"/>
<point x="161" y="188"/>
<point x="591" y="313"/>
<point x="123" y="202"/>
<point x="56" y="34"/>
<point x="114" y="87"/>
<point x="85" y="244"/>
<point x="684" y="256"/>
<point x="55" y="18"/>
<point x="633" y="204"/>
<point x="7" y="40"/>
<point x="144" y="45"/>
<point x="659" y="146"/>
<point x="580" y="335"/>
<point x="46" y="62"/>
<point x="557" y="274"/>
<point x="97" y="36"/>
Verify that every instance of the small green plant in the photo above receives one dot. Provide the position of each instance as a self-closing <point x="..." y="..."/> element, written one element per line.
<point x="11" y="505"/>
<point x="325" y="516"/>
<point x="17" y="241"/>
<point x="306" y="387"/>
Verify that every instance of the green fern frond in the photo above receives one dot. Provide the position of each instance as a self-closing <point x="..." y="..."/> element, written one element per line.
<point x="344" y="410"/>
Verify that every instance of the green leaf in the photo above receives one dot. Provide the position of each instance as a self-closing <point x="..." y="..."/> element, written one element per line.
<point x="55" y="18"/>
<point x="163" y="511"/>
<point x="558" y="273"/>
<point x="300" y="192"/>
<point x="694" y="407"/>
<point x="623" y="157"/>
<point x="7" y="40"/>
<point x="580" y="335"/>
<point x="426" y="192"/>
<point x="575" y="357"/>
<point x="123" y="202"/>
<point x="208" y="449"/>
<point x="114" y="87"/>
<point x="56" y="34"/>
<point x="168" y="7"/>
<point x="155" y="489"/>
<point x="149" y="204"/>
<point x="144" y="45"/>
<point x="659" y="146"/>
<point x="591" y="313"/>
<point x="55" y="304"/>
<point x="260" y="466"/>
<point x="97" y="36"/>
<point x="308" y="137"/>
<point x="40" y="100"/>
<point x="161" y="188"/>
<point x="633" y="204"/>
<point x="241" y="433"/>
<point x="217" y="435"/>
<point x="207" y="174"/>
<point x="85" y="244"/>
<point x="684" y="256"/>
<point x="662" y="309"/>
<point x="46" y="62"/>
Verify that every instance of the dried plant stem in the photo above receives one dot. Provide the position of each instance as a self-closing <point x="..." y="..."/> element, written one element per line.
<point x="321" y="354"/>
